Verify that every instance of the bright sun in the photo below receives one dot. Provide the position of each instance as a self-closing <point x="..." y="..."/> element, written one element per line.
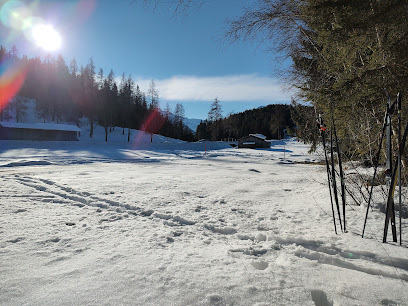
<point x="46" y="37"/>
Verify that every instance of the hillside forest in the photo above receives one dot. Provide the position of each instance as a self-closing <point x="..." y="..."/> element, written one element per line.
<point x="66" y="93"/>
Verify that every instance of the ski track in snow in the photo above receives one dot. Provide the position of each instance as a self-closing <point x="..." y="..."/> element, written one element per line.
<point x="235" y="227"/>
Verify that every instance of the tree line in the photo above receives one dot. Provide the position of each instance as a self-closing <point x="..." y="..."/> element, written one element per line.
<point x="68" y="93"/>
<point x="270" y="121"/>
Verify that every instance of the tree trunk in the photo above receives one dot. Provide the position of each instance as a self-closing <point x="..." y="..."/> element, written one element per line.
<point x="91" y="131"/>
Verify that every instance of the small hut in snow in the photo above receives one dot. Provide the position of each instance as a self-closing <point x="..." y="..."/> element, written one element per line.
<point x="38" y="131"/>
<point x="254" y="141"/>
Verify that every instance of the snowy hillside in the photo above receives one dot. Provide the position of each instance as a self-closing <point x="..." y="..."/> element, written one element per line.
<point x="116" y="135"/>
<point x="171" y="224"/>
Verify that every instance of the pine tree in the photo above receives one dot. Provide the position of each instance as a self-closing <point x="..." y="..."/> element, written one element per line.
<point x="100" y="79"/>
<point x="153" y="95"/>
<point x="3" y="53"/>
<point x="104" y="94"/>
<point x="112" y="98"/>
<point x="62" y="103"/>
<point x="179" y="120"/>
<point x="131" y="102"/>
<point x="75" y="90"/>
<point x="14" y="53"/>
<point x="73" y="67"/>
<point x="89" y="91"/>
<point x="19" y="107"/>
<point x="214" y="117"/>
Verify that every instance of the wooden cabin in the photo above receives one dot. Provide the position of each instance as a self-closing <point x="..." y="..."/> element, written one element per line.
<point x="38" y="131"/>
<point x="254" y="141"/>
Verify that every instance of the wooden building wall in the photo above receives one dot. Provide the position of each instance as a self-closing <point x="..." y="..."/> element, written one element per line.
<point x="33" y="134"/>
<point x="253" y="142"/>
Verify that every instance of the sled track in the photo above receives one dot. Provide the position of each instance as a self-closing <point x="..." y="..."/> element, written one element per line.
<point x="51" y="192"/>
<point x="48" y="191"/>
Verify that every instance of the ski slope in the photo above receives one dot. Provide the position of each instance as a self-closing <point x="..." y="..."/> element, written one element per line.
<point x="175" y="223"/>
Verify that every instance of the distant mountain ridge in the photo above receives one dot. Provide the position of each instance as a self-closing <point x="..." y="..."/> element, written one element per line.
<point x="192" y="123"/>
<point x="189" y="122"/>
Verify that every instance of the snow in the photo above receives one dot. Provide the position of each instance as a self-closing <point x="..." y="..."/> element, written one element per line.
<point x="168" y="223"/>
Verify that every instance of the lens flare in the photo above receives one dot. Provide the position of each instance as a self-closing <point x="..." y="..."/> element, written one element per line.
<point x="11" y="14"/>
<point x="152" y="125"/>
<point x="11" y="80"/>
<point x="85" y="8"/>
<point x="20" y="19"/>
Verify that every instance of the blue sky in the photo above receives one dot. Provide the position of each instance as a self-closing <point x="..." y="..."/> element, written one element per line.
<point x="188" y="57"/>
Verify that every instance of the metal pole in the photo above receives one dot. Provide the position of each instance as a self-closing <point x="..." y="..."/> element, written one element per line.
<point x="399" y="165"/>
<point x="388" y="172"/>
<point x="322" y="131"/>
<point x="377" y="160"/>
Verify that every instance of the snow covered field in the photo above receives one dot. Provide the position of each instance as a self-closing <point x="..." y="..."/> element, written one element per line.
<point x="90" y="223"/>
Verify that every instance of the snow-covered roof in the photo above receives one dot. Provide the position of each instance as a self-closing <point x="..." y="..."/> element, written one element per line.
<point x="41" y="126"/>
<point x="263" y="137"/>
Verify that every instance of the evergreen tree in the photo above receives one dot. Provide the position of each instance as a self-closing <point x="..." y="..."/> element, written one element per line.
<point x="179" y="120"/>
<point x="14" y="53"/>
<point x="304" y="118"/>
<point x="73" y="67"/>
<point x="153" y="95"/>
<point x="111" y="99"/>
<point x="122" y="102"/>
<point x="62" y="103"/>
<point x="19" y="107"/>
<point x="89" y="88"/>
<point x="214" y="117"/>
<point x="103" y="96"/>
<point x="144" y="101"/>
<point x="215" y="112"/>
<point x="75" y="91"/>
<point x="127" y="101"/>
<point x="167" y="111"/>
<point x="202" y="131"/>
<point x="131" y="102"/>
<point x="3" y="53"/>
<point x="100" y="79"/>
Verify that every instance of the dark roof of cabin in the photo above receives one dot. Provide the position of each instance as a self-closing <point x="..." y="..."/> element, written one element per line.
<point x="258" y="136"/>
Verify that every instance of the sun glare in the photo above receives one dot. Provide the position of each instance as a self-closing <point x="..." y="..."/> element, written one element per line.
<point x="46" y="37"/>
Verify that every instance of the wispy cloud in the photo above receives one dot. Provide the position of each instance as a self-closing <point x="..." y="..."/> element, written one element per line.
<point x="248" y="87"/>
